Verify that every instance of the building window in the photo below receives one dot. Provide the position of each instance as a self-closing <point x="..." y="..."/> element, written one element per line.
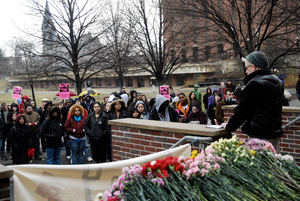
<point x="47" y="83"/>
<point x="141" y="82"/>
<point x="207" y="52"/>
<point x="36" y="85"/>
<point x="172" y="55"/>
<point x="128" y="81"/>
<point x="181" y="79"/>
<point x="107" y="82"/>
<point x="195" y="53"/>
<point x="99" y="82"/>
<point x="183" y="55"/>
<point x="42" y="85"/>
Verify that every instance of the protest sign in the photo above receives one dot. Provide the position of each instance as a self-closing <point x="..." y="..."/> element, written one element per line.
<point x="164" y="90"/>
<point x="64" y="91"/>
<point x="17" y="92"/>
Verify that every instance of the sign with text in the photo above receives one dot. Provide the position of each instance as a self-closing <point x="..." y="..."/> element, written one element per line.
<point x="76" y="182"/>
<point x="17" y="92"/>
<point x="64" y="91"/>
<point x="164" y="90"/>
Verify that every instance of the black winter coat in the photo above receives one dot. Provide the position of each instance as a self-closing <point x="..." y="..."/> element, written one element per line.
<point x="113" y="115"/>
<point x="1" y="128"/>
<point x="298" y="87"/>
<point x="96" y="128"/>
<point x="260" y="108"/>
<point x="174" y="116"/>
<point x="52" y="131"/>
<point x="21" y="139"/>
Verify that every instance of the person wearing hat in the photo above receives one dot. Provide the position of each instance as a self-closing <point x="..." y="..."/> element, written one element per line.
<point x="230" y="85"/>
<point x="197" y="92"/>
<point x="139" y="97"/>
<point x="25" y="100"/>
<point x="260" y="108"/>
<point x="123" y="91"/>
<point x="55" y="101"/>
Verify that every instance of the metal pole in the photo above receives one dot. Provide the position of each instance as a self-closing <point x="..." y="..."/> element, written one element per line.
<point x="291" y="122"/>
<point x="202" y="140"/>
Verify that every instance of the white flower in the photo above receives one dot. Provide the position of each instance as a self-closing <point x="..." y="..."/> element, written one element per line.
<point x="152" y="162"/>
<point x="287" y="157"/>
<point x="251" y="164"/>
<point x="223" y="155"/>
<point x="226" y="148"/>
<point x="99" y="196"/>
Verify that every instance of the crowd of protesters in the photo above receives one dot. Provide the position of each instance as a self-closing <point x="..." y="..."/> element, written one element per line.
<point x="78" y="123"/>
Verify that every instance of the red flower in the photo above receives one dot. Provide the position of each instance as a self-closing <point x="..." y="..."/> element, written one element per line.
<point x="113" y="199"/>
<point x="145" y="168"/>
<point x="165" y="173"/>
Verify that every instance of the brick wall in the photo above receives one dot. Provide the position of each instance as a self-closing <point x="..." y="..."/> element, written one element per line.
<point x="133" y="138"/>
<point x="290" y="141"/>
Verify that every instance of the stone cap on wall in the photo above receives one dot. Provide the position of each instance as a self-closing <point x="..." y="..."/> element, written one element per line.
<point x="5" y="172"/>
<point x="287" y="109"/>
<point x="172" y="127"/>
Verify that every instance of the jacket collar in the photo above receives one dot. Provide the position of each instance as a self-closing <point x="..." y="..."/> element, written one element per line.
<point x="256" y="73"/>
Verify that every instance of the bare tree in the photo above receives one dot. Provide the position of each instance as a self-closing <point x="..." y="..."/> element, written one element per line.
<point x="28" y="63"/>
<point x="4" y="64"/>
<point x="122" y="49"/>
<point x="72" y="39"/>
<point x="245" y="26"/>
<point x="159" y="41"/>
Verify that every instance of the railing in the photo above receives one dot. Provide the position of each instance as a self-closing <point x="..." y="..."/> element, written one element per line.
<point x="201" y="140"/>
<point x="290" y="123"/>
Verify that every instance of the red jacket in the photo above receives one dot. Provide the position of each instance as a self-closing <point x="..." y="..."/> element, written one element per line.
<point x="21" y="106"/>
<point x="71" y="124"/>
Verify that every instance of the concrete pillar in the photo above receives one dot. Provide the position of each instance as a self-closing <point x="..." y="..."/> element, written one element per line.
<point x="147" y="81"/>
<point x="174" y="80"/>
<point x="134" y="82"/>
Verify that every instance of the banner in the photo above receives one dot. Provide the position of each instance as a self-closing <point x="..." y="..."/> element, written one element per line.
<point x="76" y="182"/>
<point x="17" y="92"/>
<point x="64" y="91"/>
<point x="164" y="90"/>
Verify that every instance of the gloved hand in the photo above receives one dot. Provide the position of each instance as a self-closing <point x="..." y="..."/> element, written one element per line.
<point x="74" y="130"/>
<point x="83" y="130"/>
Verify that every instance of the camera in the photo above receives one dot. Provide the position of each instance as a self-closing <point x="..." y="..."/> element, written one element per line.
<point x="230" y="101"/>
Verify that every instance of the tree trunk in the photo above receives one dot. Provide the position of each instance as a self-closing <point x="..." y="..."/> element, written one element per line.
<point x="159" y="83"/>
<point x="78" y="87"/>
<point x="32" y="92"/>
<point x="78" y="83"/>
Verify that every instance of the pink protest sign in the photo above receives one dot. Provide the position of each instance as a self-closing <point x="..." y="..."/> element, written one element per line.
<point x="17" y="92"/>
<point x="64" y="91"/>
<point x="164" y="90"/>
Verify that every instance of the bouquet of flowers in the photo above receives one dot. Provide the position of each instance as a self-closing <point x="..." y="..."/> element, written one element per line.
<point x="228" y="169"/>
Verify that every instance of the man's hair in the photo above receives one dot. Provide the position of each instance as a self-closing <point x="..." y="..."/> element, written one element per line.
<point x="177" y="89"/>
<point x="239" y="82"/>
<point x="228" y="89"/>
<point x="3" y="105"/>
<point x="182" y="94"/>
<point x="28" y="105"/>
<point x="196" y="104"/>
<point x="222" y="83"/>
<point x="218" y="94"/>
<point x="170" y="87"/>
